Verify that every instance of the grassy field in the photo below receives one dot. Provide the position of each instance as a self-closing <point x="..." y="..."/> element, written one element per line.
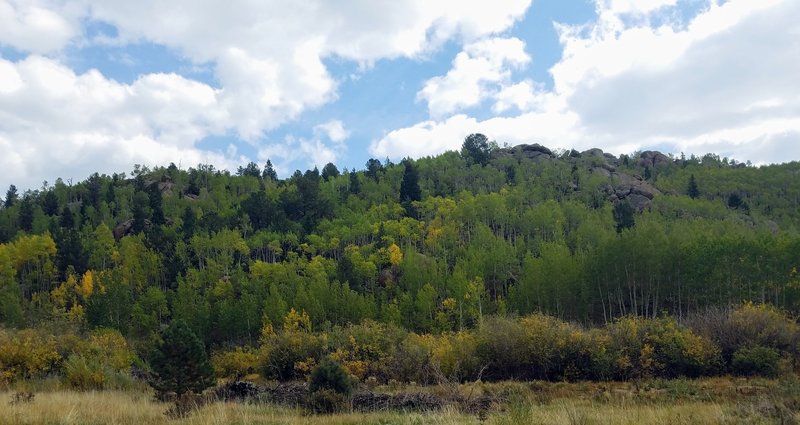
<point x="718" y="401"/>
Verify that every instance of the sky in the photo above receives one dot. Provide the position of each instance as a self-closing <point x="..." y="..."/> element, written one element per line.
<point x="90" y="85"/>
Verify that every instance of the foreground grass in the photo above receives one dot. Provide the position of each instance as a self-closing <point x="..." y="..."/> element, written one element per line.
<point x="717" y="401"/>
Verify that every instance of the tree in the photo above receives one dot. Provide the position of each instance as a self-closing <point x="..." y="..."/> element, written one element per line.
<point x="251" y="169"/>
<point x="11" y="196"/>
<point x="26" y="214"/>
<point x="330" y="171"/>
<point x="180" y="363"/>
<point x="409" y="187"/>
<point x="156" y="204"/>
<point x="141" y="211"/>
<point x="475" y="149"/>
<point x="692" y="190"/>
<point x="269" y="172"/>
<point x="355" y="183"/>
<point x="50" y="203"/>
<point x="734" y="201"/>
<point x="623" y="216"/>
<point x="374" y="167"/>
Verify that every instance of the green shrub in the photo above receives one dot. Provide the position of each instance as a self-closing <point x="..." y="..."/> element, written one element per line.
<point x="327" y="401"/>
<point x="761" y="361"/>
<point x="84" y="374"/>
<point x="292" y="354"/>
<point x="329" y="375"/>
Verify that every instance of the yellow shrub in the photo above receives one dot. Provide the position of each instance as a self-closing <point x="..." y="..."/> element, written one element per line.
<point x="236" y="363"/>
<point x="27" y="354"/>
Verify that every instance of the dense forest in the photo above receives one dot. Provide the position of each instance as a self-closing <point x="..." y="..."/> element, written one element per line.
<point x="430" y="246"/>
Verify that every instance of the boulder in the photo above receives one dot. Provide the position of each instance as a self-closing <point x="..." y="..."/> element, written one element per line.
<point x="654" y="159"/>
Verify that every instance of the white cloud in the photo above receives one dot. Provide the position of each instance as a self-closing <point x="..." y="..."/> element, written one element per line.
<point x="334" y="130"/>
<point x="54" y="122"/>
<point x="725" y="82"/>
<point x="477" y="72"/>
<point x="36" y="26"/>
<point x="266" y="58"/>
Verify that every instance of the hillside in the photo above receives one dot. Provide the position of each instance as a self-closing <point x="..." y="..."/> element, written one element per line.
<point x="428" y="245"/>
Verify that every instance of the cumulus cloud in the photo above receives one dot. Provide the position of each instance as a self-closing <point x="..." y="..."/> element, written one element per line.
<point x="477" y="73"/>
<point x="724" y="82"/>
<point x="266" y="58"/>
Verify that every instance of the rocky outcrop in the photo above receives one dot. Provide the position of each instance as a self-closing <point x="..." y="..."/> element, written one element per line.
<point x="532" y="151"/>
<point x="654" y="159"/>
<point x="639" y="193"/>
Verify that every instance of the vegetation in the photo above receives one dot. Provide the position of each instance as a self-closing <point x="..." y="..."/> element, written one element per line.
<point x="485" y="264"/>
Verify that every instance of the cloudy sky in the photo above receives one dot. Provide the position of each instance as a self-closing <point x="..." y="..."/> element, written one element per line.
<point x="101" y="85"/>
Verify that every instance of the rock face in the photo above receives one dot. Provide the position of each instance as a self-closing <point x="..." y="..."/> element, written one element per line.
<point x="533" y="151"/>
<point x="636" y="191"/>
<point x="654" y="159"/>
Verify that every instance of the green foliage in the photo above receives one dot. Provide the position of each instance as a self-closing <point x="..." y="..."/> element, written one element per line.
<point x="180" y="363"/>
<point x="476" y="149"/>
<point x="758" y="360"/>
<point x="329" y="375"/>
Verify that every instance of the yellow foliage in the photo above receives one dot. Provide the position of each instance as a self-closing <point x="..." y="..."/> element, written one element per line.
<point x="296" y="322"/>
<point x="395" y="255"/>
<point x="26" y="354"/>
<point x="87" y="284"/>
<point x="240" y="362"/>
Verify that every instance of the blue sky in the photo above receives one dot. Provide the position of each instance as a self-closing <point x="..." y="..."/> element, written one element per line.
<point x="99" y="86"/>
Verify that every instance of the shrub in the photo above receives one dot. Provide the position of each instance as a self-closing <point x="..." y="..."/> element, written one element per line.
<point x="329" y="375"/>
<point x="237" y="363"/>
<point x="84" y="374"/>
<point x="762" y="361"/>
<point x="749" y="325"/>
<point x="327" y="401"/>
<point x="292" y="354"/>
<point x="27" y="354"/>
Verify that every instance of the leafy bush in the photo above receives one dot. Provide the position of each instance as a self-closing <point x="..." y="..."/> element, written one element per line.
<point x="762" y="361"/>
<point x="83" y="373"/>
<point x="749" y="325"/>
<point x="27" y="354"/>
<point x="331" y="376"/>
<point x="239" y="362"/>
<point x="292" y="354"/>
<point x="327" y="401"/>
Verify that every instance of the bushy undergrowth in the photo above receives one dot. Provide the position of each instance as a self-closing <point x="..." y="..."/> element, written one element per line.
<point x="544" y="348"/>
<point x="749" y="340"/>
<point x="96" y="360"/>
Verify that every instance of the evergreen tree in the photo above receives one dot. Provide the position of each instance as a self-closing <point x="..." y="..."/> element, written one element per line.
<point x="692" y="190"/>
<point x="623" y="216"/>
<point x="180" y="363"/>
<point x="156" y="205"/>
<point x="11" y="196"/>
<point x="330" y="171"/>
<point x="26" y="214"/>
<point x="409" y="187"/>
<point x="355" y="183"/>
<point x="189" y="223"/>
<point x="141" y="211"/>
<point x="269" y="172"/>
<point x="251" y="169"/>
<point x="475" y="149"/>
<point x="50" y="203"/>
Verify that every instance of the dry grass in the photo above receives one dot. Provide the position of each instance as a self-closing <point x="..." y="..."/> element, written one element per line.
<point x="714" y="402"/>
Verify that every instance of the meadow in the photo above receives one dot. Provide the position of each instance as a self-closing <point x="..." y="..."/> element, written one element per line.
<point x="722" y="400"/>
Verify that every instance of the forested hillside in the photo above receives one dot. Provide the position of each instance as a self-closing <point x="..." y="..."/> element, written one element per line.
<point x="430" y="245"/>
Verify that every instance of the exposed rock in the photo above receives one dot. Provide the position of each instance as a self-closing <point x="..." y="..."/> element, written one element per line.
<point x="535" y="150"/>
<point x="636" y="191"/>
<point x="654" y="159"/>
<point x="191" y="197"/>
<point x="596" y="152"/>
<point x="126" y="228"/>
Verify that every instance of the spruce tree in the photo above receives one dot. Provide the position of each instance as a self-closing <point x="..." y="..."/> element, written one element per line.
<point x="409" y="187"/>
<point x="693" y="191"/>
<point x="623" y="216"/>
<point x="11" y="196"/>
<point x="180" y="363"/>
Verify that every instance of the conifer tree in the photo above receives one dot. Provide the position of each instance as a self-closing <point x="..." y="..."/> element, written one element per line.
<point x="180" y="363"/>
<point x="693" y="191"/>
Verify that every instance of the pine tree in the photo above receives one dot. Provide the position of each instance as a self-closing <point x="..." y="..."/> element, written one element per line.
<point x="26" y="214"/>
<point x="623" y="216"/>
<point x="269" y="172"/>
<point x="11" y="196"/>
<point x="693" y="191"/>
<point x="409" y="187"/>
<point x="329" y="171"/>
<point x="475" y="149"/>
<point x="50" y="203"/>
<point x="180" y="363"/>
<point x="355" y="183"/>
